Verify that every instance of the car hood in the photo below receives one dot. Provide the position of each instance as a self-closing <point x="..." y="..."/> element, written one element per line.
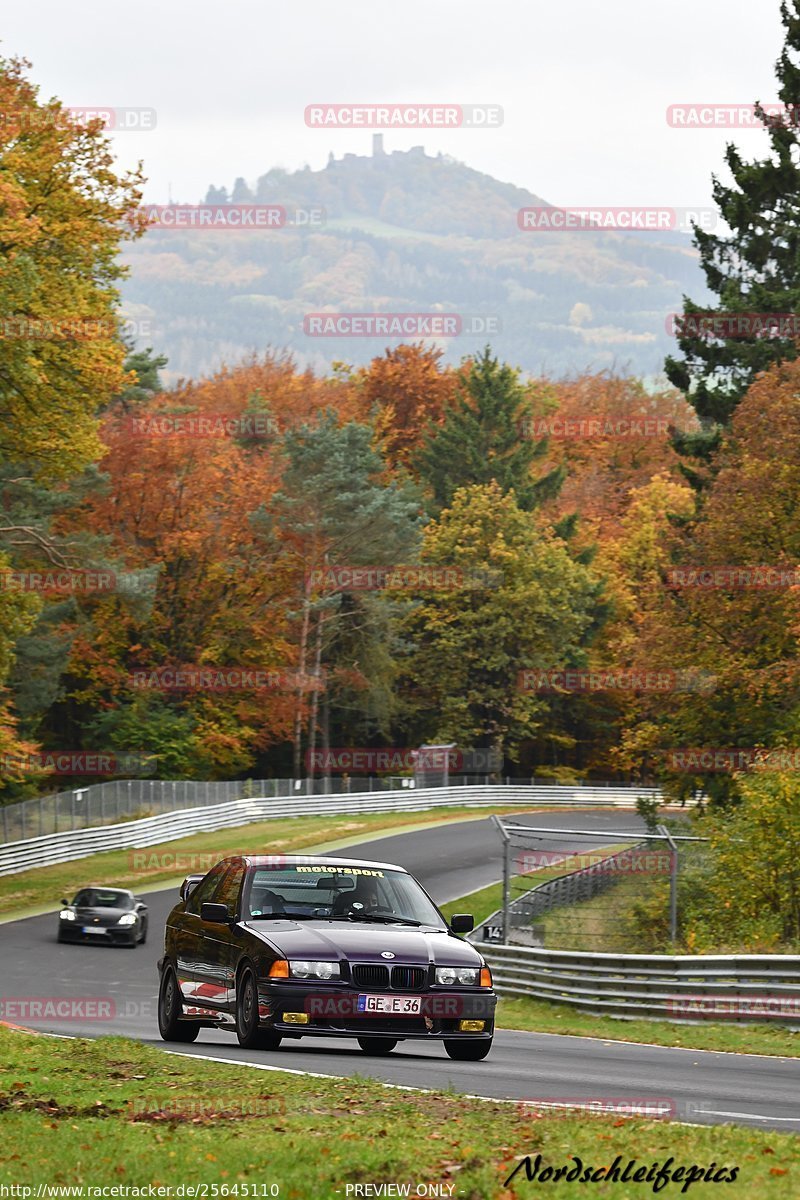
<point x="100" y="916"/>
<point x="363" y="942"/>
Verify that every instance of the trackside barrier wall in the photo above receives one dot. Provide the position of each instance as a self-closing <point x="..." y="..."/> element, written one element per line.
<point x="718" y="987"/>
<point x="151" y="831"/>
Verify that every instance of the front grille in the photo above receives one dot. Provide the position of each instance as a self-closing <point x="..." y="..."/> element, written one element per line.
<point x="408" y="977"/>
<point x="371" y="975"/>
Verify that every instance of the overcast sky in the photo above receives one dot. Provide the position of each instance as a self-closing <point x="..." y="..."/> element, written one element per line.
<point x="584" y="85"/>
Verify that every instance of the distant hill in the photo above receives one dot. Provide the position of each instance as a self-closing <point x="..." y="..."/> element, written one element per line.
<point x="407" y="232"/>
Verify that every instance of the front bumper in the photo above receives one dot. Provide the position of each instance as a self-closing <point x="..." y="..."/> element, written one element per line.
<point x="108" y="935"/>
<point x="333" y="1012"/>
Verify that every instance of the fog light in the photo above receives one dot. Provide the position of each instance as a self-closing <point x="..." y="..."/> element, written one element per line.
<point x="303" y="1019"/>
<point x="471" y="1026"/>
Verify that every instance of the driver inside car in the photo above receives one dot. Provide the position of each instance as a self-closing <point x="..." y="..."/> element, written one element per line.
<point x="363" y="898"/>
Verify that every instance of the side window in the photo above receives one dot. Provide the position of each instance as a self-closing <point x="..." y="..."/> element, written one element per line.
<point x="206" y="888"/>
<point x="228" y="892"/>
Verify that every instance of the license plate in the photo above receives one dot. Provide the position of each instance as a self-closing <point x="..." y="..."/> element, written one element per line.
<point x="93" y="929"/>
<point x="398" y="1006"/>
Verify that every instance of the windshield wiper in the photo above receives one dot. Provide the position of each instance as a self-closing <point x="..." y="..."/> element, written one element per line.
<point x="380" y="919"/>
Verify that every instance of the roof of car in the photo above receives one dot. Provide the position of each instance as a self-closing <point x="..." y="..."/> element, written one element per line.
<point x="103" y="887"/>
<point x="290" y="860"/>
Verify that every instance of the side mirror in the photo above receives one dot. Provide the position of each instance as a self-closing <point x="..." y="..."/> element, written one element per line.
<point x="462" y="923"/>
<point x="216" y="913"/>
<point x="65" y="903"/>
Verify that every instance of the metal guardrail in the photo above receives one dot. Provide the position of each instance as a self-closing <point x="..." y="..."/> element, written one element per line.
<point x="151" y="831"/>
<point x="736" y="987"/>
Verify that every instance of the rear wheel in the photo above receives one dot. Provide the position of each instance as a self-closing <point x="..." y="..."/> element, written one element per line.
<point x="170" y="1025"/>
<point x="247" y="1028"/>
<point x="376" y="1045"/>
<point x="469" y="1049"/>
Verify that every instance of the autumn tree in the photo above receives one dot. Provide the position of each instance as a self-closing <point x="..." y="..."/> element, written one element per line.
<point x="523" y="603"/>
<point x="483" y="438"/>
<point x="405" y="392"/>
<point x="754" y="269"/>
<point x="334" y="509"/>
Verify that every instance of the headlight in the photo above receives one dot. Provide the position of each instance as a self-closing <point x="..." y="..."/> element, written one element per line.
<point x="127" y="919"/>
<point x="466" y="976"/>
<point x="301" y="969"/>
<point x="67" y="914"/>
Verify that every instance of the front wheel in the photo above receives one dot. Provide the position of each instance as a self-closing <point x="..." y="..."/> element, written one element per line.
<point x="247" y="1029"/>
<point x="469" y="1049"/>
<point x="376" y="1045"/>
<point x="170" y="1025"/>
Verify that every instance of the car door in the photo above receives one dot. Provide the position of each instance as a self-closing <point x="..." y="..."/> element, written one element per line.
<point x="197" y="977"/>
<point x="223" y="941"/>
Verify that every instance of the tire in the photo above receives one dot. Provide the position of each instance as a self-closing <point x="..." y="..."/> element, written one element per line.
<point x="143" y="938"/>
<point x="377" y="1046"/>
<point x="170" y="1006"/>
<point x="468" y="1049"/>
<point x="247" y="1029"/>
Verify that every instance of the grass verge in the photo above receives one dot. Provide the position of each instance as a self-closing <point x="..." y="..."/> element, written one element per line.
<point x="114" y="1112"/>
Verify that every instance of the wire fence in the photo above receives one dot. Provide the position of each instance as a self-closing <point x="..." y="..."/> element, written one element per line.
<point x="129" y="799"/>
<point x="589" y="890"/>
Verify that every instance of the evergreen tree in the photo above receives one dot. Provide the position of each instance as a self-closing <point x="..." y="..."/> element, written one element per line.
<point x="483" y="438"/>
<point x="754" y="270"/>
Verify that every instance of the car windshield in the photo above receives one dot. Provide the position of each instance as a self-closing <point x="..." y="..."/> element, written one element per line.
<point x="102" y="898"/>
<point x="338" y="893"/>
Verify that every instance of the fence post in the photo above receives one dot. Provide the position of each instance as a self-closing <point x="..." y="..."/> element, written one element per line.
<point x="673" y="885"/>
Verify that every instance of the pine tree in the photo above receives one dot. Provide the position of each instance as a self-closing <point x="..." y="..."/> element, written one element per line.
<point x="754" y="270"/>
<point x="483" y="439"/>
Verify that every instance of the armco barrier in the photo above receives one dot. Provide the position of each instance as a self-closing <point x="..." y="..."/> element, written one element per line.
<point x="718" y="987"/>
<point x="151" y="831"/>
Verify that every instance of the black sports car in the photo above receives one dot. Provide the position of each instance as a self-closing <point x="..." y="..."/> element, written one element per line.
<point x="285" y="947"/>
<point x="102" y="914"/>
